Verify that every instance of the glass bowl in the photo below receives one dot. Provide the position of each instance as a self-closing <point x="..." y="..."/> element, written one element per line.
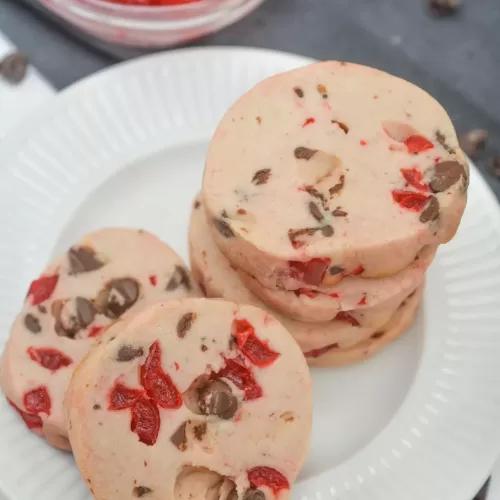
<point x="150" y="26"/>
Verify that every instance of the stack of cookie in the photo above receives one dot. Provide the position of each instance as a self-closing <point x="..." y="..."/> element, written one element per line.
<point x="326" y="193"/>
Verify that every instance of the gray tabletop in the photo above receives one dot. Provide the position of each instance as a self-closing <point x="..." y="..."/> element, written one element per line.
<point x="456" y="59"/>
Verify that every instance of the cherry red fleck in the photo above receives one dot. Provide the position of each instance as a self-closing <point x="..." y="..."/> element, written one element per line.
<point x="316" y="353"/>
<point x="95" y="331"/>
<point x="153" y="280"/>
<point x="41" y="289"/>
<point x="312" y="294"/>
<point x="49" y="358"/>
<point x="310" y="272"/>
<point x="414" y="178"/>
<point x="347" y="318"/>
<point x="145" y="421"/>
<point x="157" y="383"/>
<point x="176" y="366"/>
<point x="269" y="477"/>
<point x="308" y="122"/>
<point x="416" y="144"/>
<point x="31" y="421"/>
<point x="362" y="301"/>
<point x="37" y="401"/>
<point x="122" y="397"/>
<point x="437" y="159"/>
<point x="242" y="378"/>
<point x="357" y="271"/>
<point x="334" y="295"/>
<point x="410" y="200"/>
<point x="159" y="391"/>
<point x="363" y="142"/>
<point x="257" y="351"/>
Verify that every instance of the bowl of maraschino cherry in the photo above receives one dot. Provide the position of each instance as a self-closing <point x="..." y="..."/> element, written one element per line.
<point x="150" y="23"/>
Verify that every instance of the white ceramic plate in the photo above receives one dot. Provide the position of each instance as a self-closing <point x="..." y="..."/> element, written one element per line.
<point x="126" y="147"/>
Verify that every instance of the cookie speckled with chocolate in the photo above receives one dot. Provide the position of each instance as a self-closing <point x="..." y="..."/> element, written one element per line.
<point x="99" y="280"/>
<point x="349" y="148"/>
<point x="177" y="406"/>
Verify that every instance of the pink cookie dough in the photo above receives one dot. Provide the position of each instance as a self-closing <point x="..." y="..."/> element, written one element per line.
<point x="218" y="279"/>
<point x="106" y="274"/>
<point x="334" y="355"/>
<point x="332" y="170"/>
<point x="166" y="402"/>
<point x="353" y="292"/>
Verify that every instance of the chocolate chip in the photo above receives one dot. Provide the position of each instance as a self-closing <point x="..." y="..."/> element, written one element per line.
<point x="85" y="311"/>
<point x="378" y="335"/>
<point x="118" y="296"/>
<point x="322" y="90"/>
<point x="200" y="431"/>
<point x="473" y="141"/>
<point x="42" y="309"/>
<point x="299" y="92"/>
<point x="327" y="231"/>
<point x="223" y="227"/>
<point x="128" y="353"/>
<point x="431" y="212"/>
<point x="261" y="176"/>
<point x="65" y="325"/>
<point x="339" y="213"/>
<point x="302" y="153"/>
<point x="13" y="67"/>
<point x="233" y="495"/>
<point x="335" y="270"/>
<point x="216" y="398"/>
<point x="293" y="234"/>
<point x="180" y="277"/>
<point x="446" y="174"/>
<point x="32" y="323"/>
<point x="338" y="187"/>
<point x="342" y="125"/>
<point x="197" y="204"/>
<point x="140" y="491"/>
<point x="83" y="260"/>
<point x="203" y="348"/>
<point x="259" y="119"/>
<point x="495" y="165"/>
<point x="440" y="137"/>
<point x="315" y="211"/>
<point x="97" y="407"/>
<point x="442" y="8"/>
<point x="316" y="194"/>
<point x="254" y="494"/>
<point x="185" y="324"/>
<point x="179" y="438"/>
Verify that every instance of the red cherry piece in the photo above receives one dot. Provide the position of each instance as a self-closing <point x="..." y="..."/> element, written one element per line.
<point x="41" y="289"/>
<point x="31" y="421"/>
<point x="308" y="121"/>
<point x="153" y="280"/>
<point x="334" y="295"/>
<point x="145" y="421"/>
<point x="416" y="144"/>
<point x="267" y="476"/>
<point x="95" y="331"/>
<point x="363" y="142"/>
<point x="157" y="383"/>
<point x="242" y="378"/>
<point x="49" y="358"/>
<point x="414" y="178"/>
<point x="251" y="346"/>
<point x="121" y="397"/>
<point x="410" y="200"/>
<point x="362" y="301"/>
<point x="357" y="271"/>
<point x="310" y="272"/>
<point x="347" y="318"/>
<point x="37" y="401"/>
<point x="316" y="353"/>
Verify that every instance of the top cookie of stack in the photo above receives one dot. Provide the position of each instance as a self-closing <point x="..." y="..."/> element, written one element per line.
<point x="332" y="170"/>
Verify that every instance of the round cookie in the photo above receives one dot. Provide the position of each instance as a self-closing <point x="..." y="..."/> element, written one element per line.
<point x="332" y="170"/>
<point x="334" y="355"/>
<point x="352" y="293"/>
<point x="218" y="279"/>
<point x="165" y="402"/>
<point x="100" y="278"/>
